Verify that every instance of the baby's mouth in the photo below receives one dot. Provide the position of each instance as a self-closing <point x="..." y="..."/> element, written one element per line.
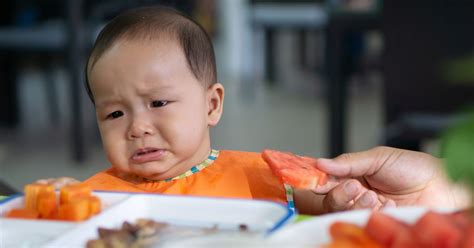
<point x="145" y="151"/>
<point x="148" y="154"/>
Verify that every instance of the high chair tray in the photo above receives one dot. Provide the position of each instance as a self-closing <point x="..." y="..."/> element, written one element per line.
<point x="187" y="213"/>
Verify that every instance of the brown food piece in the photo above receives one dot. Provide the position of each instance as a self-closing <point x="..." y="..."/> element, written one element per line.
<point x="96" y="243"/>
<point x="141" y="234"/>
<point x="243" y="228"/>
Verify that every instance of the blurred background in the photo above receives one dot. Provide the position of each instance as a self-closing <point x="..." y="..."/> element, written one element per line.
<point x="317" y="78"/>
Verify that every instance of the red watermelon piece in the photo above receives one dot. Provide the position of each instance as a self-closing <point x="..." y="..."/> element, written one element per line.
<point x="385" y="229"/>
<point x="468" y="239"/>
<point x="437" y="230"/>
<point x="462" y="218"/>
<point x="297" y="171"/>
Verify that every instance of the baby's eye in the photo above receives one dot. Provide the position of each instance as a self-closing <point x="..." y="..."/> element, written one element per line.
<point x="115" y="115"/>
<point x="157" y="104"/>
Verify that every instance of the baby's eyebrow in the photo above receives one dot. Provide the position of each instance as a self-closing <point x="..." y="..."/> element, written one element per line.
<point x="105" y="103"/>
<point x="158" y="91"/>
<point x="155" y="90"/>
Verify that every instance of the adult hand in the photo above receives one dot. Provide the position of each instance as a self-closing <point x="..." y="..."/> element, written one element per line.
<point x="58" y="182"/>
<point x="385" y="176"/>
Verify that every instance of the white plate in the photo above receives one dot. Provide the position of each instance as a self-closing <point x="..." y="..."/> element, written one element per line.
<point x="227" y="214"/>
<point x="34" y="233"/>
<point x="26" y="233"/>
<point x="315" y="232"/>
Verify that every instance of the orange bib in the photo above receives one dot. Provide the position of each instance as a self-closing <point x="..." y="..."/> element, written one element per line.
<point x="224" y="174"/>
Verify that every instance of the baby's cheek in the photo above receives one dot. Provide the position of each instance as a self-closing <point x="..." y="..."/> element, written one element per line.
<point x="186" y="137"/>
<point x="182" y="141"/>
<point x="107" y="144"/>
<point x="116" y="153"/>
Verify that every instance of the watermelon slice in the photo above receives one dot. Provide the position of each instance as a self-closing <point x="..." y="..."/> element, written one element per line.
<point x="297" y="171"/>
<point x="387" y="230"/>
<point x="437" y="230"/>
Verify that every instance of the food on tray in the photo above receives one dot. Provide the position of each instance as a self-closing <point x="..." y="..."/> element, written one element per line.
<point x="141" y="234"/>
<point x="147" y="232"/>
<point x="41" y="202"/>
<point x="47" y="204"/>
<point x="32" y="191"/>
<point x="297" y="171"/>
<point x="23" y="213"/>
<point x="95" y="205"/>
<point x="75" y="210"/>
<point x="431" y="230"/>
<point x="74" y="191"/>
<point x="347" y="234"/>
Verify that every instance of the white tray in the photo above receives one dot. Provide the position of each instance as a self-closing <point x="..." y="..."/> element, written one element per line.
<point x="259" y="216"/>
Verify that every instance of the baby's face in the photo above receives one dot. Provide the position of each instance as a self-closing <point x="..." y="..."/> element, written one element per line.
<point x="151" y="110"/>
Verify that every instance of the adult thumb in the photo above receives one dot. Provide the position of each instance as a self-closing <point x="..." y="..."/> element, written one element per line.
<point x="356" y="164"/>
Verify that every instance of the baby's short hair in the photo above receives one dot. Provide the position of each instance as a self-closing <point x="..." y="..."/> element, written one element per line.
<point x="149" y="23"/>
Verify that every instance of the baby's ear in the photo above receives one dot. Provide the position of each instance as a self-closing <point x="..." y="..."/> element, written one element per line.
<point x="215" y="103"/>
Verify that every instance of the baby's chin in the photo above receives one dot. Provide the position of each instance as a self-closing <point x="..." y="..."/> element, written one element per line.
<point x="151" y="173"/>
<point x="138" y="177"/>
<point x="151" y="170"/>
<point x="153" y="176"/>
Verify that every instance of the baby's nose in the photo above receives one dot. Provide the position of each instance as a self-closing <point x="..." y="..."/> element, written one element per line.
<point x="140" y="127"/>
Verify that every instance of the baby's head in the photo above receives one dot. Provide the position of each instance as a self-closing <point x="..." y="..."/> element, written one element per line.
<point x="152" y="78"/>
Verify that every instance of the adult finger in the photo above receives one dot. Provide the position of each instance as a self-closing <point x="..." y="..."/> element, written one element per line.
<point x="67" y="180"/>
<point x="368" y="199"/>
<point x="64" y="181"/>
<point x="389" y="204"/>
<point x="342" y="196"/>
<point x="331" y="183"/>
<point x="357" y="164"/>
<point x="45" y="181"/>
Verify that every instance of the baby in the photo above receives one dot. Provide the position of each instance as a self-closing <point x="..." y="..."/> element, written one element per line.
<point x="152" y="78"/>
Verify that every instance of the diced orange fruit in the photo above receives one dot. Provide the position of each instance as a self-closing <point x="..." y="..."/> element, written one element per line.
<point x="95" y="205"/>
<point x="74" y="210"/>
<point x="343" y="243"/>
<point x="341" y="231"/>
<point x="68" y="193"/>
<point x="47" y="204"/>
<point x="32" y="191"/>
<point x="75" y="203"/>
<point x="22" y="213"/>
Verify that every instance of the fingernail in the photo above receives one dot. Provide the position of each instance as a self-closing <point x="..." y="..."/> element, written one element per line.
<point x="350" y="188"/>
<point x="389" y="204"/>
<point x="366" y="200"/>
